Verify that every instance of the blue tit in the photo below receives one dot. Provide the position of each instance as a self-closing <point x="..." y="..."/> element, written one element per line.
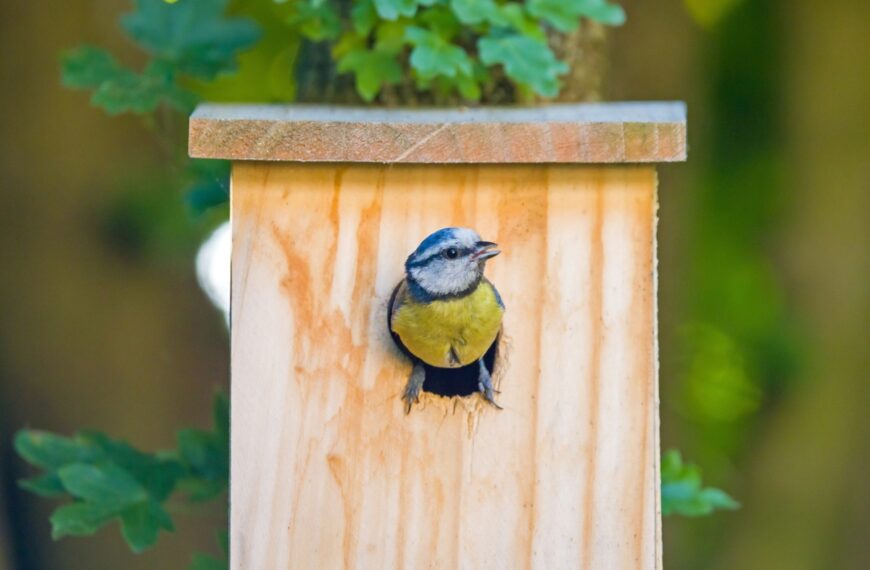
<point x="445" y="313"/>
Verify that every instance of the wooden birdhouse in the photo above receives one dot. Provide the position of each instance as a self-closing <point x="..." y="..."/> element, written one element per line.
<point x="328" y="471"/>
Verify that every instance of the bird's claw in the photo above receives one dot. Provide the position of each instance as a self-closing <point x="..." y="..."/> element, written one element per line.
<point x="415" y="385"/>
<point x="484" y="385"/>
<point x="487" y="395"/>
<point x="410" y="399"/>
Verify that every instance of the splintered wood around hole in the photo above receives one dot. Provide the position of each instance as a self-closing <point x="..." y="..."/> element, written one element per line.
<point x="327" y="469"/>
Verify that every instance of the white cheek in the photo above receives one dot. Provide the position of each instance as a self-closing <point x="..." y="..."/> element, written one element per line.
<point x="431" y="278"/>
<point x="442" y="277"/>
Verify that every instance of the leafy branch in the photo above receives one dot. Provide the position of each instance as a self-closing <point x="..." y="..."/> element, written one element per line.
<point x="187" y="39"/>
<point x="108" y="480"/>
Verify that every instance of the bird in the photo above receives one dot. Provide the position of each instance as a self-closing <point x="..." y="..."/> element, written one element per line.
<point x="444" y="312"/>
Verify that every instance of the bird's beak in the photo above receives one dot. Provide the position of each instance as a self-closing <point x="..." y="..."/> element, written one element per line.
<point x="485" y="250"/>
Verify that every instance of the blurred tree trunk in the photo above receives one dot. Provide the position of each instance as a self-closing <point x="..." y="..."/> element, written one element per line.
<point x="808" y="506"/>
<point x="585" y="52"/>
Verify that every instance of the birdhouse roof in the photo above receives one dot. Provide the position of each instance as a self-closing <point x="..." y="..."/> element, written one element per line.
<point x="598" y="133"/>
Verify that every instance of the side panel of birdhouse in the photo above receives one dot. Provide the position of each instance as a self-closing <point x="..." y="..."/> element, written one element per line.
<point x="328" y="471"/>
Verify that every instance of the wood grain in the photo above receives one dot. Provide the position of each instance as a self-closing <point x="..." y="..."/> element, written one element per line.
<point x="566" y="133"/>
<point x="327" y="470"/>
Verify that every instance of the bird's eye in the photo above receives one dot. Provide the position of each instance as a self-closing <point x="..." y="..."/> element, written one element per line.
<point x="451" y="253"/>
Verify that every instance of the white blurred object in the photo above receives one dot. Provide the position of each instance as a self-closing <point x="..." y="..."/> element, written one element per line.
<point x="213" y="268"/>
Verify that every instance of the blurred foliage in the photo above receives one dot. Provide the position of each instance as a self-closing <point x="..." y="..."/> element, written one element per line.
<point x="257" y="51"/>
<point x="739" y="349"/>
<point x="108" y="480"/>
<point x="143" y="218"/>
<point x="446" y="47"/>
<point x="708" y="13"/>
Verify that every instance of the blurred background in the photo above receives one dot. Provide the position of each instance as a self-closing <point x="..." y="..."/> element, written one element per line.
<point x="764" y="267"/>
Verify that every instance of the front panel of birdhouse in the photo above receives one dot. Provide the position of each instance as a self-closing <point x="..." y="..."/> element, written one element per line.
<point x="328" y="470"/>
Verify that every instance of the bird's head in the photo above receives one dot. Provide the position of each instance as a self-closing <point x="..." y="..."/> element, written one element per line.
<point x="449" y="261"/>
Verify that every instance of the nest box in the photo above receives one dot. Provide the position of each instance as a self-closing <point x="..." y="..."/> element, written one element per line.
<point x="326" y="204"/>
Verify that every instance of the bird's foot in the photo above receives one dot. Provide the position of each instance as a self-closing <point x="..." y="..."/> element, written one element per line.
<point x="484" y="384"/>
<point x="414" y="387"/>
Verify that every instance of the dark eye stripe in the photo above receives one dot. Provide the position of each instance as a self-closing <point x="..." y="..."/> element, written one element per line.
<point x="461" y="251"/>
<point x="424" y="261"/>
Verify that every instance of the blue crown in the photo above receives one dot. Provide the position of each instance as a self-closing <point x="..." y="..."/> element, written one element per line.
<point x="435" y="238"/>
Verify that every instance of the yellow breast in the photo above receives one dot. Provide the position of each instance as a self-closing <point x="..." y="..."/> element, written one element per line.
<point x="453" y="332"/>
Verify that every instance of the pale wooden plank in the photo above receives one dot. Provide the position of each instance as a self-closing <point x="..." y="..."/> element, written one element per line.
<point x="327" y="472"/>
<point x="561" y="133"/>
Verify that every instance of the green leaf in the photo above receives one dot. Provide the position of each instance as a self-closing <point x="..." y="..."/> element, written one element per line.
<point x="372" y="70"/>
<point x="565" y="15"/>
<point x="80" y="519"/>
<point x="520" y="20"/>
<point x="603" y="12"/>
<point x="48" y="485"/>
<point x="158" y="475"/>
<point x="87" y="67"/>
<point x="718" y="499"/>
<point x="317" y="20"/>
<point x="107" y="485"/>
<point x="203" y="453"/>
<point x="527" y="61"/>
<point x="392" y="9"/>
<point x="206" y="455"/>
<point x="210" y="187"/>
<point x="471" y="12"/>
<point x="364" y="17"/>
<point x="440" y="20"/>
<point x="142" y="522"/>
<point x="193" y="35"/>
<point x="390" y="36"/>
<point x="433" y="56"/>
<point x="205" y="195"/>
<point x="683" y="493"/>
<point x="199" y="490"/>
<point x="118" y="89"/>
<point x="131" y="92"/>
<point x="206" y="562"/>
<point x="468" y="87"/>
<point x="51" y="451"/>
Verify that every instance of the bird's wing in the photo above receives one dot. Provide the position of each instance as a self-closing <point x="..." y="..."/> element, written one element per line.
<point x="498" y="298"/>
<point x="397" y="299"/>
